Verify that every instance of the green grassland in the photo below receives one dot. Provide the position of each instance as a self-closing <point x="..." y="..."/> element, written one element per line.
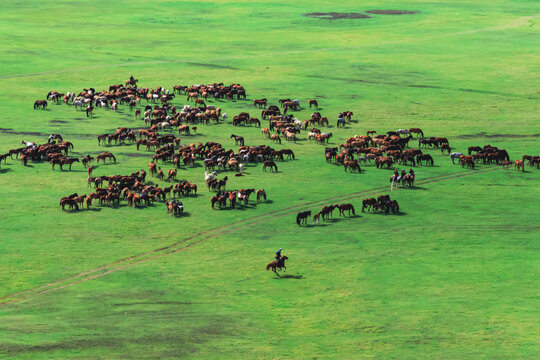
<point x="453" y="276"/>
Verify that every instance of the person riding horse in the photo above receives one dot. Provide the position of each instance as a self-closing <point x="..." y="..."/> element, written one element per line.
<point x="131" y="80"/>
<point x="278" y="256"/>
<point x="411" y="172"/>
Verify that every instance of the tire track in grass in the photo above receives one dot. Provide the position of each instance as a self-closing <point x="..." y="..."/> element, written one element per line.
<point x="203" y="236"/>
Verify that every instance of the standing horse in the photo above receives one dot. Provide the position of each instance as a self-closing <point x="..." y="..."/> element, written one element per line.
<point x="314" y="103"/>
<point x="302" y="217"/>
<point x="277" y="265"/>
<point x="238" y="140"/>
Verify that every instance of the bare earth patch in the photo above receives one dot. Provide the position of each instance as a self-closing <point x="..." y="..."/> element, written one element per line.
<point x="392" y="12"/>
<point x="336" y="15"/>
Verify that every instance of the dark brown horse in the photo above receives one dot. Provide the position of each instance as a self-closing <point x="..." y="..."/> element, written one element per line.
<point x="346" y="207"/>
<point x="272" y="165"/>
<point x="40" y="103"/>
<point x="314" y="103"/>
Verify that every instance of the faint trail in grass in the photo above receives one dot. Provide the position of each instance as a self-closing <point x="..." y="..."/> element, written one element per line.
<point x="202" y="236"/>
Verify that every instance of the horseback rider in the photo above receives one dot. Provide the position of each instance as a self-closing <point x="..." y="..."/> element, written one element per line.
<point x="411" y="172"/>
<point x="278" y="256"/>
<point x="396" y="175"/>
<point x="403" y="173"/>
<point x="131" y="79"/>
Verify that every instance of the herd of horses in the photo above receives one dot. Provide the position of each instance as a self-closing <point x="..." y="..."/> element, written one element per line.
<point x="383" y="204"/>
<point x="382" y="150"/>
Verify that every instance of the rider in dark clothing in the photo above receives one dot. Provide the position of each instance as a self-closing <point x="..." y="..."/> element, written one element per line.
<point x="403" y="173"/>
<point x="411" y="172"/>
<point x="131" y="79"/>
<point x="278" y="255"/>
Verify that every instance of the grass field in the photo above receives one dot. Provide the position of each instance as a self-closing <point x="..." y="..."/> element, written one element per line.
<point x="453" y="276"/>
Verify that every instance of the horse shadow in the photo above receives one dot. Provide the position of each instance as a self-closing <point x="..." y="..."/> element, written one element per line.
<point x="182" y="214"/>
<point x="414" y="188"/>
<point x="266" y="202"/>
<point x="315" y="225"/>
<point x="92" y="209"/>
<point x="288" y="276"/>
<point x="5" y="170"/>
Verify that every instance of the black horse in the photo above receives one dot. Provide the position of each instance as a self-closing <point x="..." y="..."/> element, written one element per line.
<point x="302" y="217"/>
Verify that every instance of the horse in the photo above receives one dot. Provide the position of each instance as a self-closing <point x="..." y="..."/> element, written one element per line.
<point x="416" y="131"/>
<point x="314" y="103"/>
<point x="445" y="147"/>
<point x="403" y="132"/>
<point x="346" y="207"/>
<point x="384" y="160"/>
<point x="54" y="137"/>
<point x="302" y="217"/>
<point x="340" y="122"/>
<point x="68" y="162"/>
<point x="89" y="111"/>
<point x="353" y="165"/>
<point x="272" y="165"/>
<point x="424" y="157"/>
<point x="275" y="138"/>
<point x="28" y="144"/>
<point x="275" y="265"/>
<point x="260" y="102"/>
<point x="455" y="155"/>
<point x="172" y="174"/>
<point x="520" y="163"/>
<point x="261" y="194"/>
<point x="105" y="155"/>
<point x="40" y="103"/>
<point x="368" y="203"/>
<point x="238" y="140"/>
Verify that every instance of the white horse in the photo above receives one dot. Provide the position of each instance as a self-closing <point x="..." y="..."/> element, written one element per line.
<point x="240" y="168"/>
<point x="224" y="116"/>
<point x="211" y="176"/>
<point x="29" y="144"/>
<point x="403" y="132"/>
<point x="298" y="124"/>
<point x="78" y="103"/>
<point x="114" y="106"/>
<point x="163" y="125"/>
<point x="455" y="155"/>
<point x="311" y="135"/>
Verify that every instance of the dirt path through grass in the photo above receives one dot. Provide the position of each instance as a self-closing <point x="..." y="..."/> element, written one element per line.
<point x="202" y="236"/>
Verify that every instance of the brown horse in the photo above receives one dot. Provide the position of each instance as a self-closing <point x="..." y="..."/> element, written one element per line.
<point x="352" y="165"/>
<point x="416" y="131"/>
<point x="384" y="160"/>
<point x="172" y="174"/>
<point x="275" y="265"/>
<point x="314" y="103"/>
<point x="260" y="102"/>
<point x="40" y="103"/>
<point x="368" y="203"/>
<point x="272" y="165"/>
<point x="346" y="207"/>
<point x="520" y="164"/>
<point x="104" y="156"/>
<point x="261" y="194"/>
<point x="69" y="202"/>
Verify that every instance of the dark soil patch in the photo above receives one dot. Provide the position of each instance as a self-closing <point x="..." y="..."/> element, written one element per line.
<point x="137" y="154"/>
<point x="495" y="136"/>
<point x="29" y="133"/>
<point x="336" y="15"/>
<point x="392" y="12"/>
<point x="214" y="66"/>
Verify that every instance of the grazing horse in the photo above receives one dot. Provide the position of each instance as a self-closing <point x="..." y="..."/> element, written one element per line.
<point x="54" y="137"/>
<point x="455" y="155"/>
<point x="28" y="144"/>
<point x="40" y="103"/>
<point x="340" y="122"/>
<point x="445" y="147"/>
<point x="520" y="164"/>
<point x="352" y="165"/>
<point x="275" y="138"/>
<point x="314" y="103"/>
<point x="424" y="157"/>
<point x="302" y="217"/>
<point x="260" y="102"/>
<point x="416" y="131"/>
<point x="368" y="203"/>
<point x="384" y="160"/>
<point x="277" y="265"/>
<point x="474" y="148"/>
<point x="104" y="156"/>
<point x="346" y="207"/>
<point x="261" y="194"/>
<point x="238" y="140"/>
<point x="272" y="165"/>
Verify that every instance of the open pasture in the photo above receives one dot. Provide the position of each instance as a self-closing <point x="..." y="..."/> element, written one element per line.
<point x="452" y="274"/>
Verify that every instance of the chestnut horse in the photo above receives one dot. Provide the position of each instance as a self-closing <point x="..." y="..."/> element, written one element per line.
<point x="275" y="265"/>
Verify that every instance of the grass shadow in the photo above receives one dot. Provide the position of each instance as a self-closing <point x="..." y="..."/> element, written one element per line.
<point x="5" y="170"/>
